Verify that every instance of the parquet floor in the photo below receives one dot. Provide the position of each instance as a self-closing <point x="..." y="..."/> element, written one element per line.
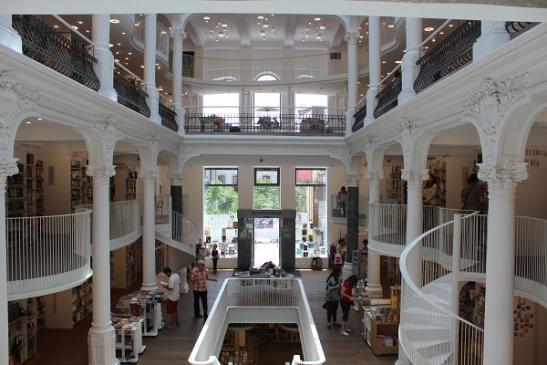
<point x="172" y="347"/>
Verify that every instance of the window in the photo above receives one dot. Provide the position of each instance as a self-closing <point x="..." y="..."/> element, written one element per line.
<point x="311" y="105"/>
<point x="266" y="76"/>
<point x="267" y="109"/>
<point x="216" y="104"/>
<point x="266" y="192"/>
<point x="220" y="205"/>
<point x="311" y="211"/>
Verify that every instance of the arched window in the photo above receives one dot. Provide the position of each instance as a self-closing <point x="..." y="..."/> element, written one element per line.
<point x="266" y="76"/>
<point x="304" y="76"/>
<point x="225" y="78"/>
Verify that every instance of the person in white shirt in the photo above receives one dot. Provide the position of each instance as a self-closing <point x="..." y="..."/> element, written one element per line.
<point x="173" y="295"/>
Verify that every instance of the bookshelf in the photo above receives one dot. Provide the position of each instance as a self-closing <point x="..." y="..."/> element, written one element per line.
<point x="39" y="187"/>
<point x="131" y="185"/>
<point x="75" y="183"/>
<point x="87" y="187"/>
<point x="25" y="319"/>
<point x="68" y="308"/>
<point x="29" y="185"/>
<point x="125" y="266"/>
<point x="82" y="300"/>
<point x="15" y="197"/>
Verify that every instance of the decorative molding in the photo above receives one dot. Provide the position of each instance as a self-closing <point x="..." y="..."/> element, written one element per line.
<point x="353" y="180"/>
<point x="105" y="127"/>
<point x="351" y="37"/>
<point x="502" y="175"/>
<point x="149" y="175"/>
<point x="374" y="175"/>
<point x="8" y="129"/>
<point x="487" y="107"/>
<point x="178" y="34"/>
<point x="26" y="96"/>
<point x="8" y="167"/>
<point x="414" y="176"/>
<point x="177" y="178"/>
<point x="408" y="137"/>
<point x="373" y="172"/>
<point x="341" y="154"/>
<point x="101" y="173"/>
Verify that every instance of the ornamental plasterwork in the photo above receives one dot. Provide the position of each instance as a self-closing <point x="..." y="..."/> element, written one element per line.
<point x="101" y="172"/>
<point x="486" y="108"/>
<point x="414" y="176"/>
<point x="176" y="179"/>
<point x="341" y="154"/>
<point x="373" y="172"/>
<point x="8" y="167"/>
<point x="105" y="127"/>
<point x="409" y="134"/>
<point x="502" y="175"/>
<point x="7" y="134"/>
<point x="352" y="180"/>
<point x="26" y="96"/>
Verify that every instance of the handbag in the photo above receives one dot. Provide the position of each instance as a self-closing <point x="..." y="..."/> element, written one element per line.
<point x="325" y="305"/>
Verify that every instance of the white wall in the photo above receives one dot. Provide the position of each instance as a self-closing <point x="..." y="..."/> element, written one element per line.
<point x="531" y="193"/>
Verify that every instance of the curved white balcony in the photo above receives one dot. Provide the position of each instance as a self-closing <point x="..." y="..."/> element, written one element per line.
<point x="125" y="223"/>
<point x="47" y="254"/>
<point x="258" y="301"/>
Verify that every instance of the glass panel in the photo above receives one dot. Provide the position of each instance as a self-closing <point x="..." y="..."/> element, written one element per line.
<point x="308" y="105"/>
<point x="266" y="241"/>
<point x="311" y="220"/>
<point x="267" y="197"/>
<point x="267" y="176"/>
<point x="220" y="176"/>
<point x="311" y="177"/>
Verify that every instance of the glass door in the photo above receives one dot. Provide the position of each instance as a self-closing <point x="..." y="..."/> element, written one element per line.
<point x="266" y="241"/>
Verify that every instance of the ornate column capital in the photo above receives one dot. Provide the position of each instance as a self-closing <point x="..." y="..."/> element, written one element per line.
<point x="176" y="179"/>
<point x="502" y="176"/>
<point x="487" y="107"/>
<point x="414" y="176"/>
<point x="178" y="34"/>
<point x="26" y="96"/>
<point x="408" y="137"/>
<point x="352" y="180"/>
<point x="375" y="175"/>
<point x="351" y="37"/>
<point x="149" y="176"/>
<point x="8" y="167"/>
<point x="101" y="173"/>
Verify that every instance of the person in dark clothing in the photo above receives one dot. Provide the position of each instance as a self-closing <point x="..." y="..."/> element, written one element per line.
<point x="346" y="299"/>
<point x="473" y="195"/>
<point x="215" y="256"/>
<point x="332" y="296"/>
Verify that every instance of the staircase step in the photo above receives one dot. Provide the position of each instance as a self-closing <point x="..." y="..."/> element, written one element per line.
<point x="426" y="312"/>
<point x="441" y="359"/>
<point x="429" y="346"/>
<point x="426" y="331"/>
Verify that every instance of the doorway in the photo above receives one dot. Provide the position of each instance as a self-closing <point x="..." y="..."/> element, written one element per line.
<point x="266" y="241"/>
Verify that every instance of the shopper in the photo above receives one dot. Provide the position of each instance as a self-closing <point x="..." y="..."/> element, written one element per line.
<point x="214" y="256"/>
<point x="346" y="298"/>
<point x="342" y="200"/>
<point x="332" y="255"/>
<point x="332" y="296"/>
<point x="472" y="195"/>
<point x="173" y="295"/>
<point x="431" y="191"/>
<point x="199" y="279"/>
<point x="340" y="253"/>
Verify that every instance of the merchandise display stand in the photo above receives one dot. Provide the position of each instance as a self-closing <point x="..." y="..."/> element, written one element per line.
<point x="128" y="339"/>
<point x="145" y="305"/>
<point x="380" y="328"/>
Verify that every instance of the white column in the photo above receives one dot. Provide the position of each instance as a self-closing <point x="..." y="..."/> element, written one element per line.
<point x="178" y="39"/>
<point x="351" y="39"/>
<point x="104" y="68"/>
<point x="149" y="231"/>
<point x="8" y="167"/>
<point x="8" y="36"/>
<point x="493" y="36"/>
<point x="150" y="66"/>
<point x="374" y="66"/>
<point x="409" y="69"/>
<point x="101" y="334"/>
<point x="373" y="268"/>
<point x="502" y="179"/>
<point x="414" y="209"/>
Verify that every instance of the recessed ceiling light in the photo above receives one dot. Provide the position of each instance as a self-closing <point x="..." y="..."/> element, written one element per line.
<point x="383" y="61"/>
<point x="117" y="52"/>
<point x="111" y="45"/>
<point x="130" y="53"/>
<point x="163" y="32"/>
<point x="56" y="26"/>
<point x="157" y="64"/>
<point x="117" y="60"/>
<point x="433" y="40"/>
<point x="429" y="29"/>
<point x="224" y="25"/>
<point x="28" y="122"/>
<point x="309" y="23"/>
<point x="74" y="27"/>
<point x="265" y="25"/>
<point x="398" y="61"/>
<point x="114" y="21"/>
<point x="80" y="22"/>
<point x="322" y="27"/>
<point x="142" y="66"/>
<point x="206" y="17"/>
<point x="127" y="58"/>
<point x="123" y="33"/>
<point x="39" y="118"/>
<point x="87" y="31"/>
<point x="450" y="25"/>
<point x="441" y="33"/>
<point x="317" y="19"/>
<point x="260" y="17"/>
<point x="119" y="44"/>
<point x="361" y="36"/>
<point x="391" y="26"/>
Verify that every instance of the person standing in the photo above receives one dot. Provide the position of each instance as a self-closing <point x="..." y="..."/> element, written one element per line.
<point x="431" y="191"/>
<point x="342" y="200"/>
<point x="214" y="256"/>
<point x="199" y="279"/>
<point x="332" y="296"/>
<point x="472" y="195"/>
<point x="173" y="295"/>
<point x="346" y="298"/>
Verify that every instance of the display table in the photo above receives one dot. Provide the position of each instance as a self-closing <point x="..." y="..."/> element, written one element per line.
<point x="380" y="329"/>
<point x="128" y="338"/>
<point x="145" y="305"/>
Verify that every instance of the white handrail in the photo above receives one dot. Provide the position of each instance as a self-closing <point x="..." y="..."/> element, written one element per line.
<point x="47" y="253"/>
<point x="428" y="328"/>
<point x="125" y="223"/>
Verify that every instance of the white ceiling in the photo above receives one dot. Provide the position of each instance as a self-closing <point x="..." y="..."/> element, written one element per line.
<point x="264" y="29"/>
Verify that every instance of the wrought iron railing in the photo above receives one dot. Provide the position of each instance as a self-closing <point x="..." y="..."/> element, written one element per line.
<point x="453" y="52"/>
<point x="517" y="28"/>
<point x="268" y="124"/>
<point x="387" y="98"/>
<point x="168" y="117"/>
<point x="131" y="95"/>
<point x="359" y="117"/>
<point x="62" y="51"/>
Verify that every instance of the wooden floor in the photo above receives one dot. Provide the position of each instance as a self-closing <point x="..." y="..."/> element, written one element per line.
<point x="172" y="347"/>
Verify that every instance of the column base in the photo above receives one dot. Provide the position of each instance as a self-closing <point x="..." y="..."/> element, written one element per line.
<point x="102" y="346"/>
<point x="11" y="39"/>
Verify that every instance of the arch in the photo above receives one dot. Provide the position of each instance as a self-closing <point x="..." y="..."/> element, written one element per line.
<point x="266" y="76"/>
<point x="225" y="78"/>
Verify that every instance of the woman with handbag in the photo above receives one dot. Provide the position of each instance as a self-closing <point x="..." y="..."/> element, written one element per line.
<point x="332" y="296"/>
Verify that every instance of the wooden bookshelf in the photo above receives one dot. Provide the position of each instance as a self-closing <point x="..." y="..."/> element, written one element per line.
<point x="125" y="266"/>
<point x="15" y="194"/>
<point x="131" y="185"/>
<point x="39" y="187"/>
<point x="87" y="187"/>
<point x="26" y="318"/>
<point x="75" y="183"/>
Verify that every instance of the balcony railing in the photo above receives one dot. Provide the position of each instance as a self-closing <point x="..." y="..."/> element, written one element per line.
<point x="258" y="301"/>
<point x="64" y="52"/>
<point x="267" y="124"/>
<point x="387" y="98"/>
<point x="517" y="28"/>
<point x="359" y="116"/>
<point x="450" y="54"/>
<point x="47" y="253"/>
<point x="131" y="95"/>
<point x="168" y="117"/>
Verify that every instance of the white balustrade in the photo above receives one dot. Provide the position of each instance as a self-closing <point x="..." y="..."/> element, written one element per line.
<point x="125" y="223"/>
<point x="47" y="253"/>
<point x="162" y="207"/>
<point x="387" y="227"/>
<point x="430" y="331"/>
<point x="258" y="301"/>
